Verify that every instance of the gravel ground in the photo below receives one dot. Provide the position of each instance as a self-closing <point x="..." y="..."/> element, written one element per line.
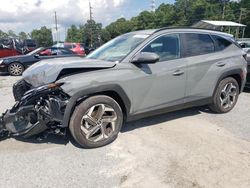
<point x="188" y="148"/>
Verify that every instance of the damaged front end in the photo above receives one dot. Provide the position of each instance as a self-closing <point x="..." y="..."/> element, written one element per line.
<point x="37" y="110"/>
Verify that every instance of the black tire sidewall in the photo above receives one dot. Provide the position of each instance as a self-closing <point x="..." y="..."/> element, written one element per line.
<point x="81" y="109"/>
<point x="18" y="64"/>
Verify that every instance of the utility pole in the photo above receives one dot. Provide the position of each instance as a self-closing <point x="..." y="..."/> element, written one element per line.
<point x="223" y="10"/>
<point x="90" y="11"/>
<point x="91" y="19"/>
<point x="57" y="38"/>
<point x="185" y="10"/>
<point x="243" y="12"/>
<point x="152" y="6"/>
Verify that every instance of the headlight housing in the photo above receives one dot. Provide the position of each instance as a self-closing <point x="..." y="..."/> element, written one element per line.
<point x="1" y="61"/>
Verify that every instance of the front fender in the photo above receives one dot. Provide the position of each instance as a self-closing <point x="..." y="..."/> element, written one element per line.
<point x="93" y="91"/>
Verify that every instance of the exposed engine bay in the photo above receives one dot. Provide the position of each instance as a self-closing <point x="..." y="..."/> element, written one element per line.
<point x="36" y="110"/>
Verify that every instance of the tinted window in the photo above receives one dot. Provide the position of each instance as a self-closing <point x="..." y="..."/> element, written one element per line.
<point x="68" y="46"/>
<point x="30" y="43"/>
<point x="54" y="51"/>
<point x="220" y="42"/>
<point x="64" y="52"/>
<point x="198" y="44"/>
<point x="167" y="47"/>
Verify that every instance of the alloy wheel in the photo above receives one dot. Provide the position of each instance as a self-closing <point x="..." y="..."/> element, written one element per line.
<point x="99" y="122"/>
<point x="228" y="95"/>
<point x="16" y="69"/>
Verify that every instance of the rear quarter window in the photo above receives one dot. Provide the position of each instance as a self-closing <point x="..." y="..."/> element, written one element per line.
<point x="220" y="42"/>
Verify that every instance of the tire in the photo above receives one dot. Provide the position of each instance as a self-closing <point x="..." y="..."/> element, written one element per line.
<point x="96" y="121"/>
<point x="16" y="69"/>
<point x="225" y="96"/>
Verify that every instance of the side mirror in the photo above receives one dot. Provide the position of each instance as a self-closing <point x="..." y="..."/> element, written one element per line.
<point x="1" y="46"/>
<point x="37" y="56"/>
<point x="145" y="58"/>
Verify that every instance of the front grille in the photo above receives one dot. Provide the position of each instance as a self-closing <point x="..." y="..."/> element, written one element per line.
<point x="19" y="88"/>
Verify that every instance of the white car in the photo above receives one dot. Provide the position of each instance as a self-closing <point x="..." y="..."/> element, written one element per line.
<point x="245" y="45"/>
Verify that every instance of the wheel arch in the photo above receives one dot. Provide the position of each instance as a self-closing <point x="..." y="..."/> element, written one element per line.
<point x="114" y="91"/>
<point x="236" y="74"/>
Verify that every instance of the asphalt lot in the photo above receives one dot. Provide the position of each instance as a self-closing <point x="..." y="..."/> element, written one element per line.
<point x="188" y="148"/>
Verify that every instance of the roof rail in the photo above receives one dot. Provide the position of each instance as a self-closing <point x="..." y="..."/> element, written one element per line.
<point x="185" y="27"/>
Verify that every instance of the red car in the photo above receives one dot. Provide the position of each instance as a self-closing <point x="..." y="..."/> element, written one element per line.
<point x="14" y="47"/>
<point x="7" y="48"/>
<point x="75" y="47"/>
<point x="6" y="52"/>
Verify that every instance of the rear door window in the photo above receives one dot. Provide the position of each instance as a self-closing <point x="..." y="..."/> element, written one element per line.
<point x="198" y="44"/>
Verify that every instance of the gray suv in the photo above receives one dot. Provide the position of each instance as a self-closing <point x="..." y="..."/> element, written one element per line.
<point x="135" y="75"/>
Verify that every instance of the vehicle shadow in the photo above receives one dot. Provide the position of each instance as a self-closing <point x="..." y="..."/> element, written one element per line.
<point x="4" y="74"/>
<point x="51" y="138"/>
<point x="150" y="121"/>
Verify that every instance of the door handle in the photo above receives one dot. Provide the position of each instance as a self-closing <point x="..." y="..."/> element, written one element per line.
<point x="220" y="64"/>
<point x="178" y="73"/>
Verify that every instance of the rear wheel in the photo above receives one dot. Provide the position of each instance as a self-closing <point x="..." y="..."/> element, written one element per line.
<point x="96" y="121"/>
<point x="226" y="96"/>
<point x="16" y="69"/>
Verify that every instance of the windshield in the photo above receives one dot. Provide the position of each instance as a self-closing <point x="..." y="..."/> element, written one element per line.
<point x="35" y="51"/>
<point x="118" y="48"/>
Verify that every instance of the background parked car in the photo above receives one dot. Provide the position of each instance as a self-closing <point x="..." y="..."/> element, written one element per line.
<point x="17" y="64"/>
<point x="14" y="46"/>
<point x="245" y="45"/>
<point x="75" y="47"/>
<point x="79" y="48"/>
<point x="7" y="48"/>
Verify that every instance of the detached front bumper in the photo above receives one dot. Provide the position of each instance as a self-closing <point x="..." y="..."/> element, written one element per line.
<point x="39" y="109"/>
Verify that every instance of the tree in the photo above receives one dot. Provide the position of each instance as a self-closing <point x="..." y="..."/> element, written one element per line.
<point x="3" y="34"/>
<point x="119" y="27"/>
<point x="11" y="34"/>
<point x="43" y="36"/>
<point x="90" y="34"/>
<point x="73" y="34"/>
<point x="22" y="35"/>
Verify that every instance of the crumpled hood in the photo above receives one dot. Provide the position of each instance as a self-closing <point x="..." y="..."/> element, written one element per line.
<point x="47" y="71"/>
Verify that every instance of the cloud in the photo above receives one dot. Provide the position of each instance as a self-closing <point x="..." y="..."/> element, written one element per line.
<point x="31" y="14"/>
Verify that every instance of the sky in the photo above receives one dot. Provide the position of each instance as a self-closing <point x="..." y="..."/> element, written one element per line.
<point x="26" y="15"/>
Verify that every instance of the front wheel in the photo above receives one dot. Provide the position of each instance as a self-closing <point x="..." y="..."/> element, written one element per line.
<point x="16" y="69"/>
<point x="96" y="121"/>
<point x="226" y="96"/>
